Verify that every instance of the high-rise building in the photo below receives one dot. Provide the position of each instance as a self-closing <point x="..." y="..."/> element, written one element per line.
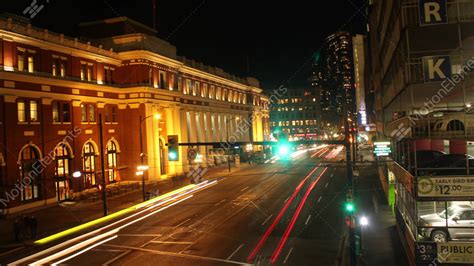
<point x="333" y="78"/>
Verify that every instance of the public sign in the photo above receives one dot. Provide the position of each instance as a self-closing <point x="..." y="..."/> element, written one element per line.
<point x="432" y="12"/>
<point x="382" y="148"/>
<point x="192" y="154"/>
<point x="455" y="252"/>
<point x="450" y="186"/>
<point x="436" y="68"/>
<point x="433" y="253"/>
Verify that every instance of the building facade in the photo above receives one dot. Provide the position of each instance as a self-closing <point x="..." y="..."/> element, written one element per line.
<point x="296" y="114"/>
<point x="422" y="76"/>
<point x="333" y="78"/>
<point x="54" y="91"/>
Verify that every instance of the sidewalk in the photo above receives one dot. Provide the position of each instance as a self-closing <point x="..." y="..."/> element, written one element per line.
<point x="55" y="218"/>
<point x="380" y="242"/>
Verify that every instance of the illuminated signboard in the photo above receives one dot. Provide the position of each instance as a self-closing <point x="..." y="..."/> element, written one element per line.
<point x="382" y="148"/>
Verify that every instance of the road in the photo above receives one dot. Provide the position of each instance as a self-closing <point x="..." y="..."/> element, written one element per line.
<point x="285" y="212"/>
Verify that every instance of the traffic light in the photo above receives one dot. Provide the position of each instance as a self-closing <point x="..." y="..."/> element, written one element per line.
<point x="283" y="149"/>
<point x="349" y="206"/>
<point x="173" y="148"/>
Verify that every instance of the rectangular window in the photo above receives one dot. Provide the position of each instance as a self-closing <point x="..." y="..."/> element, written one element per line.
<point x="21" y="61"/>
<point x="196" y="88"/>
<point x="111" y="113"/>
<point x="66" y="112"/>
<point x="83" y="71"/>
<point x="63" y="68"/>
<point x="204" y="90"/>
<point x="33" y="111"/>
<point x="54" y="67"/>
<point x="162" y="80"/>
<point x="21" y="111"/>
<point x="180" y="81"/>
<point x="83" y="113"/>
<point x="89" y="73"/>
<point x="91" y="113"/>
<point x="187" y="89"/>
<point x="31" y="64"/>
<point x="56" y="108"/>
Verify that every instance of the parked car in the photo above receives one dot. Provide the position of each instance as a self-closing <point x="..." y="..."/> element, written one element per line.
<point x="449" y="164"/>
<point x="459" y="220"/>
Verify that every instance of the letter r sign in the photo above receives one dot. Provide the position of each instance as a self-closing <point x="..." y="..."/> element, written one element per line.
<point x="436" y="68"/>
<point x="432" y="12"/>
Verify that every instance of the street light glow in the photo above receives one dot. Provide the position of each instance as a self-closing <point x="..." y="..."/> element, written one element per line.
<point x="364" y="221"/>
<point x="142" y="168"/>
<point x="157" y="116"/>
<point x="76" y="174"/>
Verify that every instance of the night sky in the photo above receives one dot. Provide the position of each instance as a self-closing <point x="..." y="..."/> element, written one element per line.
<point x="273" y="41"/>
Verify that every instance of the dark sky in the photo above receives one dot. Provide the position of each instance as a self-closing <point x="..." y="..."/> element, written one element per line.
<point x="277" y="39"/>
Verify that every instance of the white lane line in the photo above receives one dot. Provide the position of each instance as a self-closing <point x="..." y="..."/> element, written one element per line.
<point x="287" y="199"/>
<point x="307" y="220"/>
<point x="179" y="255"/>
<point x="138" y="235"/>
<point x="245" y="188"/>
<point x="235" y="251"/>
<point x="170" y="242"/>
<point x="181" y="223"/>
<point x="326" y="186"/>
<point x="266" y="220"/>
<point x="332" y="175"/>
<point x="287" y="255"/>
<point x="220" y="202"/>
<point x="320" y="197"/>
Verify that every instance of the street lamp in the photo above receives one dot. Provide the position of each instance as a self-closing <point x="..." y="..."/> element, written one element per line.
<point x="227" y="133"/>
<point x="363" y="221"/>
<point x="156" y="116"/>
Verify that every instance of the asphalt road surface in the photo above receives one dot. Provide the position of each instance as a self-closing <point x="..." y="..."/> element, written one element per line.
<point x="282" y="212"/>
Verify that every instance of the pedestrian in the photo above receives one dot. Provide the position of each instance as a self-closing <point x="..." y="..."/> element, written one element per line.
<point x="17" y="229"/>
<point x="34" y="226"/>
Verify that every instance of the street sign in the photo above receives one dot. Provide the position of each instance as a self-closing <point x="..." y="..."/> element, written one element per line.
<point x="454" y="252"/>
<point x="432" y="12"/>
<point x="192" y="154"/>
<point x="382" y="148"/>
<point x="425" y="252"/>
<point x="441" y="187"/>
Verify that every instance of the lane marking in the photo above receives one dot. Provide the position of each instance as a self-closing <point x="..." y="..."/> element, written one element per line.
<point x="320" y="197"/>
<point x="245" y="188"/>
<point x="326" y="186"/>
<point x="170" y="242"/>
<point x="84" y="250"/>
<point x="235" y="251"/>
<point x="172" y="254"/>
<point x="11" y="251"/>
<point x="143" y="235"/>
<point x="220" y="202"/>
<point x="288" y="255"/>
<point x="181" y="223"/>
<point x="307" y="220"/>
<point x="332" y="175"/>
<point x="266" y="220"/>
<point x="287" y="199"/>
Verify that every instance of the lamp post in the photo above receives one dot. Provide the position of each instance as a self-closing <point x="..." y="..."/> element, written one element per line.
<point x="142" y="167"/>
<point x="227" y="136"/>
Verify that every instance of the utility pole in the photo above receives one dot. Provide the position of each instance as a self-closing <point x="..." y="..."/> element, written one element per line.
<point x="142" y="158"/>
<point x="102" y="164"/>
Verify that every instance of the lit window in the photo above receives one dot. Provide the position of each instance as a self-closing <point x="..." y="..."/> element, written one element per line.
<point x="91" y="113"/>
<point x="21" y="62"/>
<point x="83" y="113"/>
<point x="33" y="111"/>
<point x="31" y="64"/>
<point x="56" y="112"/>
<point x="21" y="111"/>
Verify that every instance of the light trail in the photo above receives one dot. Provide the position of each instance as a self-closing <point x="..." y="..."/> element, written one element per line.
<point x="168" y="197"/>
<point x="260" y="244"/>
<point x="290" y="226"/>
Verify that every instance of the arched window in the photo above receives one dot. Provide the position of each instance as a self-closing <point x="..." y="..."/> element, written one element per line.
<point x="30" y="170"/>
<point x="88" y="156"/>
<point x="62" y="158"/>
<point x="455" y="125"/>
<point x="112" y="161"/>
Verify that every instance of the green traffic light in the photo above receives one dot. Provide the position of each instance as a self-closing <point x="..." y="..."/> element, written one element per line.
<point x="172" y="155"/>
<point x="350" y="207"/>
<point x="283" y="150"/>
